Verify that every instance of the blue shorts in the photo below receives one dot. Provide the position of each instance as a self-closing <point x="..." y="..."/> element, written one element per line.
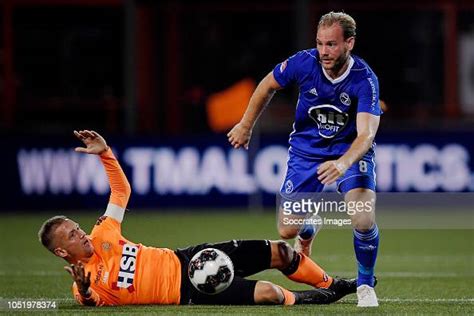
<point x="302" y="176"/>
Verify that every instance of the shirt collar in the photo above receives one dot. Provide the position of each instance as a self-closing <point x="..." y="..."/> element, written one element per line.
<point x="341" y="77"/>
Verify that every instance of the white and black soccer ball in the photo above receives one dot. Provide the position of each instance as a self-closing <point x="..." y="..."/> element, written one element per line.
<point x="211" y="271"/>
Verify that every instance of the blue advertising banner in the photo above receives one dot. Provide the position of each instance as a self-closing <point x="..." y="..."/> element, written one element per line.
<point x="207" y="172"/>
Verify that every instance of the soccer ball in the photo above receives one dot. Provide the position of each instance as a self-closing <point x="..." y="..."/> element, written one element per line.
<point x="211" y="271"/>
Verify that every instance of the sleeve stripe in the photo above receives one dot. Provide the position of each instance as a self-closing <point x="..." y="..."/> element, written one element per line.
<point x="115" y="211"/>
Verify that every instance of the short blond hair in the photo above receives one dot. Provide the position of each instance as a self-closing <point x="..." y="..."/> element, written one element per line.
<point x="46" y="231"/>
<point x="346" y="22"/>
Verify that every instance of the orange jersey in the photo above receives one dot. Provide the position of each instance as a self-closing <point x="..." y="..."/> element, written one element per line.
<point x="123" y="272"/>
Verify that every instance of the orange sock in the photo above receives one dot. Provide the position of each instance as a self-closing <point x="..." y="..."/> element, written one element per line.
<point x="289" y="296"/>
<point x="310" y="273"/>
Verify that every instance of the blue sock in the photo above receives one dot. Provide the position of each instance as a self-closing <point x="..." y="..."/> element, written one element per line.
<point x="307" y="231"/>
<point x="366" y="246"/>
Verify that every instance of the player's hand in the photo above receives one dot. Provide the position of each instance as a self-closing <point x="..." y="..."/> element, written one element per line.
<point x="331" y="170"/>
<point x="79" y="276"/>
<point x="95" y="144"/>
<point x="240" y="135"/>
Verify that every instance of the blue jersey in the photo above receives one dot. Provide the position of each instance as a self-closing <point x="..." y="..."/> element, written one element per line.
<point x="325" y="122"/>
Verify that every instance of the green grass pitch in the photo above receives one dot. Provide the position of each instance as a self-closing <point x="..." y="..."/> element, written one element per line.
<point x="419" y="270"/>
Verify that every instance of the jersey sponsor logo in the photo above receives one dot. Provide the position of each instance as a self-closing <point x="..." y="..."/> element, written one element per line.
<point x="345" y="99"/>
<point x="128" y="262"/>
<point x="99" y="273"/>
<point x="329" y="119"/>
<point x="283" y="65"/>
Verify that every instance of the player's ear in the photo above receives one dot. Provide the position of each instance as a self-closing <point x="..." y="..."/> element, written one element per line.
<point x="60" y="252"/>
<point x="350" y="43"/>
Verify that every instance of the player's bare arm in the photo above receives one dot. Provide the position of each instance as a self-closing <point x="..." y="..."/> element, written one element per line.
<point x="367" y="125"/>
<point x="241" y="133"/>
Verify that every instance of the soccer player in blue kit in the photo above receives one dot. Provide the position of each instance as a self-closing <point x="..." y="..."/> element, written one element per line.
<point x="337" y="117"/>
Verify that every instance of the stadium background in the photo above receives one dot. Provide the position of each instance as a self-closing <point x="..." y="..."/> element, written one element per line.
<point x="164" y="81"/>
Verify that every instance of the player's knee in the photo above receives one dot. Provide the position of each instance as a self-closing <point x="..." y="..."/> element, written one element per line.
<point x="268" y="293"/>
<point x="363" y="223"/>
<point x="284" y="255"/>
<point x="287" y="232"/>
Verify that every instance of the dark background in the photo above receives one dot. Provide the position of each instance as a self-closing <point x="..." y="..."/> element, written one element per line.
<point x="147" y="67"/>
<point x="142" y="72"/>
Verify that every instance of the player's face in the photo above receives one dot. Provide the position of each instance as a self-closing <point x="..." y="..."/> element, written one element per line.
<point x="332" y="48"/>
<point x="73" y="240"/>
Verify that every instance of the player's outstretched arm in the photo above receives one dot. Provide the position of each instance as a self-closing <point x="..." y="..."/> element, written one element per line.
<point x="241" y="133"/>
<point x="119" y="186"/>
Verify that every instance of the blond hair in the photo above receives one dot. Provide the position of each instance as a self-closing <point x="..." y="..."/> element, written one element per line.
<point x="46" y="231"/>
<point x="346" y="22"/>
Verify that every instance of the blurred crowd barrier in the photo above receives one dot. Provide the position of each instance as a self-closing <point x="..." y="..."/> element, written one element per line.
<point x="207" y="172"/>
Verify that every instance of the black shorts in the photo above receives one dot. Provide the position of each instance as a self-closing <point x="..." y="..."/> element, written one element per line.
<point x="248" y="256"/>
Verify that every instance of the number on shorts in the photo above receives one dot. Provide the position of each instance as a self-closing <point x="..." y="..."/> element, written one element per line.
<point x="363" y="166"/>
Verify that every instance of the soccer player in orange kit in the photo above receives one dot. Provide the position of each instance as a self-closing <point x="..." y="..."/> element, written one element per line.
<point x="108" y="269"/>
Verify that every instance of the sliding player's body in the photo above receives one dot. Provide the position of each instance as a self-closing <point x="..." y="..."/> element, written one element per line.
<point x="108" y="269"/>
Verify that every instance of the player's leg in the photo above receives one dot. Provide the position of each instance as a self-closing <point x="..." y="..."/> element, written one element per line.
<point x="253" y="256"/>
<point x="302" y="269"/>
<point x="303" y="228"/>
<point x="359" y="187"/>
<point x="240" y="292"/>
<point x="252" y="292"/>
<point x="297" y="266"/>
<point x="300" y="181"/>
<point x="366" y="244"/>
<point x="307" y="234"/>
<point x="247" y="292"/>
<point x="248" y="257"/>
<point x="269" y="293"/>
